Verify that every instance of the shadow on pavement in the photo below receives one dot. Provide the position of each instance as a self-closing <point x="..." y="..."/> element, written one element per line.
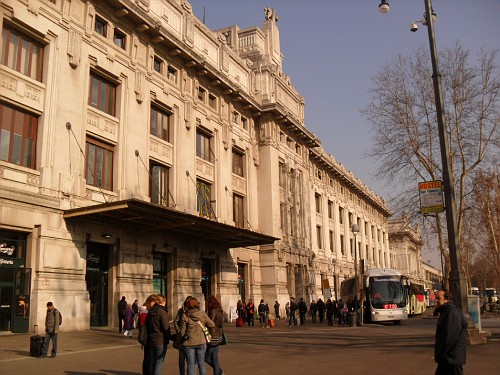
<point x="115" y="372"/>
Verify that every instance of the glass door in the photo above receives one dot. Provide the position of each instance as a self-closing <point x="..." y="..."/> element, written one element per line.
<point x="97" y="283"/>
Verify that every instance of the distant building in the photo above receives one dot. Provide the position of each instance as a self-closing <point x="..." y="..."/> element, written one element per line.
<point x="406" y="248"/>
<point x="142" y="152"/>
<point x="433" y="277"/>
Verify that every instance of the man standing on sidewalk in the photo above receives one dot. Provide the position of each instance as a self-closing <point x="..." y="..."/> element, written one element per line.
<point x="450" y="348"/>
<point x="52" y="322"/>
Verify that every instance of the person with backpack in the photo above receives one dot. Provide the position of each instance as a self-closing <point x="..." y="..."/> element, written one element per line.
<point x="52" y="322"/>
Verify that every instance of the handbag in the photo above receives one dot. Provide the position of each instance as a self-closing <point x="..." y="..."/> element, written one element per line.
<point x="208" y="337"/>
<point x="225" y="340"/>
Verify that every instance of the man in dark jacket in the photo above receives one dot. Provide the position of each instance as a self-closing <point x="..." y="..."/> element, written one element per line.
<point x="122" y="306"/>
<point x="293" y="309"/>
<point x="450" y="348"/>
<point x="158" y="328"/>
<point x="52" y="322"/>
<point x="321" y="310"/>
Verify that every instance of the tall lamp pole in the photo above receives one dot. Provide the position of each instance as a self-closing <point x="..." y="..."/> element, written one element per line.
<point x="456" y="279"/>
<point x="355" y="231"/>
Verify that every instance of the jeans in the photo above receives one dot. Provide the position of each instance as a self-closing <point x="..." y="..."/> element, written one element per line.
<point x="121" y="321"/>
<point x="48" y="337"/>
<point x="263" y="320"/>
<point x="196" y="354"/>
<point x="156" y="357"/>
<point x="212" y="358"/>
<point x="145" y="360"/>
<point x="292" y="319"/>
<point x="182" y="361"/>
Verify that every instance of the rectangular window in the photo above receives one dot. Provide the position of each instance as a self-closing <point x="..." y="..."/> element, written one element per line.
<point x="201" y="94"/>
<point x="238" y="211"/>
<point x="22" y="54"/>
<point x="119" y="39"/>
<point x="212" y="101"/>
<point x="203" y="198"/>
<point x="319" y="237"/>
<point x="330" y="238"/>
<point x="203" y="145"/>
<point x="158" y="188"/>
<point x="160" y="123"/>
<point x="99" y="171"/>
<point x="341" y="215"/>
<point x="101" y="27"/>
<point x="282" y="216"/>
<point x="282" y="175"/>
<point x="350" y="219"/>
<point x="18" y="134"/>
<point x="244" y="123"/>
<point x="238" y="163"/>
<point x="330" y="210"/>
<point x="172" y="74"/>
<point x="157" y="64"/>
<point x="317" y="199"/>
<point x="102" y="94"/>
<point x="351" y="245"/>
<point x="236" y="117"/>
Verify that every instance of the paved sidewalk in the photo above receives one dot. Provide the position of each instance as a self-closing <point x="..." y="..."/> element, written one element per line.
<point x="310" y="349"/>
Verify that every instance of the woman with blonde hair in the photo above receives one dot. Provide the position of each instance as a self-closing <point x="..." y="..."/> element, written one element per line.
<point x="214" y="312"/>
<point x="192" y="324"/>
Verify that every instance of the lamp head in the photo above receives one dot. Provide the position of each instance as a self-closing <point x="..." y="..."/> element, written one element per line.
<point x="355" y="229"/>
<point x="383" y="7"/>
<point x="413" y="27"/>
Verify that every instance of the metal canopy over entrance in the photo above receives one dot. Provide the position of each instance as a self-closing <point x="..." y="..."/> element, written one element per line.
<point x="135" y="214"/>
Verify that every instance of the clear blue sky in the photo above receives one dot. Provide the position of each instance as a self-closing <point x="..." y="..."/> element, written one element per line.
<point x="333" y="48"/>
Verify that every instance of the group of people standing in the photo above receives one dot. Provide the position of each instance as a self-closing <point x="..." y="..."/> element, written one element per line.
<point x="318" y="310"/>
<point x="248" y="312"/>
<point x="187" y="333"/>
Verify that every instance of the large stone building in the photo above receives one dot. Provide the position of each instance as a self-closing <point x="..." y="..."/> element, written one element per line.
<point x="142" y="152"/>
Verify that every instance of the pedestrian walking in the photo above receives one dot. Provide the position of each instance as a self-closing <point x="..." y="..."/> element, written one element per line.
<point x="158" y="334"/>
<point x="178" y="336"/>
<point x="143" y="314"/>
<point x="314" y="310"/>
<point x="195" y="346"/>
<point x="450" y="348"/>
<point x="250" y="310"/>
<point x="52" y="323"/>
<point x="287" y="309"/>
<point x="122" y="306"/>
<point x="262" y="314"/>
<point x="329" y="311"/>
<point x="128" y="324"/>
<point x="277" y="310"/>
<point x="321" y="310"/>
<point x="216" y="314"/>
<point x="293" y="308"/>
<point x="302" y="307"/>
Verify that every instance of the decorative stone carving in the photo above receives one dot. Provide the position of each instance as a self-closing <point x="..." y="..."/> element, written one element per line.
<point x="74" y="48"/>
<point x="139" y="86"/>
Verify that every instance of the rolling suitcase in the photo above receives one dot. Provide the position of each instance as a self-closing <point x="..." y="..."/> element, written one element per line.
<point x="239" y="322"/>
<point x="36" y="344"/>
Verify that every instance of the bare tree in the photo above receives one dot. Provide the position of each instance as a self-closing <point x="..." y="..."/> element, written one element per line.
<point x="406" y="143"/>
<point x="486" y="194"/>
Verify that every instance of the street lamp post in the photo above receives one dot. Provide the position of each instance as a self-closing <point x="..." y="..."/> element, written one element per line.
<point x="355" y="231"/>
<point x="456" y="279"/>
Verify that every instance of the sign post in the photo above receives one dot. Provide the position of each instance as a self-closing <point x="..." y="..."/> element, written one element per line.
<point x="431" y="197"/>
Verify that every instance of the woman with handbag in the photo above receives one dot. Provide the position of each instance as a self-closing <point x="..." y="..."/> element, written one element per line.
<point x="195" y="335"/>
<point x="214" y="312"/>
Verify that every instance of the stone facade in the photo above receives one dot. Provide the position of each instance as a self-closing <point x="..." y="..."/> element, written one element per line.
<point x="143" y="152"/>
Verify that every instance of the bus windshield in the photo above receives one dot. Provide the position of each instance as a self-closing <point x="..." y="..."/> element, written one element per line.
<point x="386" y="290"/>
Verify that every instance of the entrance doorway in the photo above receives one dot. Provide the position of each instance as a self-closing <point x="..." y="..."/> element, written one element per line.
<point x="206" y="277"/>
<point x="97" y="283"/>
<point x="241" y="281"/>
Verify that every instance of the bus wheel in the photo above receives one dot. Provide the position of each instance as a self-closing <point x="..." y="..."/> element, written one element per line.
<point x="396" y="322"/>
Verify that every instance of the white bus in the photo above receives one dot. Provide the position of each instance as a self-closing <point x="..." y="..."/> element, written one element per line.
<point x="384" y="295"/>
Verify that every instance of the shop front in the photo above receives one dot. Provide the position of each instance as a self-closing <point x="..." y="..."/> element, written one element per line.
<point x="15" y="283"/>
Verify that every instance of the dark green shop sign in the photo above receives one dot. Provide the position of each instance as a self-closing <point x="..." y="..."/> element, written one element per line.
<point x="11" y="262"/>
